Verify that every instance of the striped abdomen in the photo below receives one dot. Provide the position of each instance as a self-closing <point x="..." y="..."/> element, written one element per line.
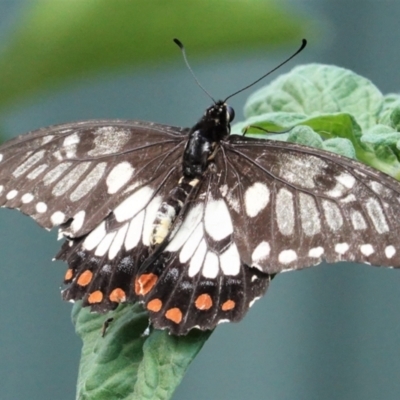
<point x="170" y="209"/>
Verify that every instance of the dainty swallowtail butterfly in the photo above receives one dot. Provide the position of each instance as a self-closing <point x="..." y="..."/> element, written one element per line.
<point x="194" y="222"/>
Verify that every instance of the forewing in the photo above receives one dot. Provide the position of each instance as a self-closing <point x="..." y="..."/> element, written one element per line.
<point x="199" y="280"/>
<point x="76" y="174"/>
<point x="293" y="206"/>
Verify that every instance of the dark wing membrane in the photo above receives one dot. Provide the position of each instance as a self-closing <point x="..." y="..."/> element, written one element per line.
<point x="199" y="280"/>
<point x="293" y="206"/>
<point x="102" y="265"/>
<point x="75" y="174"/>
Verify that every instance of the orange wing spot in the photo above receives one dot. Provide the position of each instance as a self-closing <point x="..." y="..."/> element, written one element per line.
<point x="118" y="295"/>
<point x="85" y="278"/>
<point x="69" y="274"/>
<point x="203" y="302"/>
<point x="154" y="305"/>
<point x="95" y="297"/>
<point x="144" y="283"/>
<point x="228" y="305"/>
<point x="174" y="314"/>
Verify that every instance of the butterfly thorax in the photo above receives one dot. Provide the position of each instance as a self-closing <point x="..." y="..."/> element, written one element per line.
<point x="204" y="137"/>
<point x="202" y="144"/>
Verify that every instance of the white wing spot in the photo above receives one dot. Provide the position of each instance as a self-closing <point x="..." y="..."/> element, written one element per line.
<point x="37" y="171"/>
<point x="119" y="176"/>
<point x="260" y="253"/>
<point x="310" y="220"/>
<point x="90" y="181"/>
<point x="210" y="267"/>
<point x="301" y="170"/>
<point x="109" y="140"/>
<point x="95" y="237"/>
<point x="197" y="260"/>
<point x="41" y="207"/>
<point x="366" y="249"/>
<point x="217" y="220"/>
<point x="70" y="145"/>
<point x="78" y="221"/>
<point x="47" y="139"/>
<point x="358" y="221"/>
<point x="29" y="163"/>
<point x="256" y="198"/>
<point x="27" y="198"/>
<point x="118" y="242"/>
<point x="71" y="140"/>
<point x="224" y="190"/>
<point x="133" y="204"/>
<point x="55" y="173"/>
<point x="287" y="256"/>
<point x="228" y="195"/>
<point x="377" y="216"/>
<point x="134" y="232"/>
<point x="11" y="194"/>
<point x="285" y="212"/>
<point x="333" y="215"/>
<point x="191" y="244"/>
<point x="316" y="252"/>
<point x="379" y="189"/>
<point x="57" y="218"/>
<point x="341" y="248"/>
<point x="230" y="261"/>
<point x="105" y="244"/>
<point x="346" y="180"/>
<point x="390" y="251"/>
<point x="70" y="179"/>
<point x="1" y="157"/>
<point x="189" y="224"/>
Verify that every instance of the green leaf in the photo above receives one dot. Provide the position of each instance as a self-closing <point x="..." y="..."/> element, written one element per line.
<point x="389" y="114"/>
<point x="165" y="361"/>
<point x="127" y="363"/>
<point x="64" y="39"/>
<point x="319" y="89"/>
<point x="343" y="108"/>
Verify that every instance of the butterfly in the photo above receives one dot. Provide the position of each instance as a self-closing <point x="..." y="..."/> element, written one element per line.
<point x="193" y="222"/>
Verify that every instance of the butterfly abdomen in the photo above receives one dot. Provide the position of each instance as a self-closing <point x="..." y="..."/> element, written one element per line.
<point x="170" y="209"/>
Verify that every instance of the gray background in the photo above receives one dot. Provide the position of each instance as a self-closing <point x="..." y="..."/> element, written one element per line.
<point x="331" y="332"/>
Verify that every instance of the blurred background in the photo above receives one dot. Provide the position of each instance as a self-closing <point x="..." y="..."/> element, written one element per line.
<point x="331" y="332"/>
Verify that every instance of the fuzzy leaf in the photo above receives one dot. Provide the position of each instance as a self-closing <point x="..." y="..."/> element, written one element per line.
<point x="345" y="109"/>
<point x="319" y="89"/>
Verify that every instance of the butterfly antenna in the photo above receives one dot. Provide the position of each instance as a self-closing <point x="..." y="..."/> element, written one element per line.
<point x="179" y="43"/>
<point x="303" y="44"/>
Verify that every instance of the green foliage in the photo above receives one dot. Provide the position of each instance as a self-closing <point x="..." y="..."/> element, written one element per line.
<point x="345" y="109"/>
<point x="58" y="41"/>
<point x="128" y="362"/>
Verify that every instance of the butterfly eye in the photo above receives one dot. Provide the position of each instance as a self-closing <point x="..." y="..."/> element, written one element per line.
<point x="230" y="113"/>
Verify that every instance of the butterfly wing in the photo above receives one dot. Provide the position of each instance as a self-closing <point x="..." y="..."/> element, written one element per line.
<point x="103" y="264"/>
<point x="102" y="183"/>
<point x="74" y="175"/>
<point x="199" y="280"/>
<point x="294" y="206"/>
